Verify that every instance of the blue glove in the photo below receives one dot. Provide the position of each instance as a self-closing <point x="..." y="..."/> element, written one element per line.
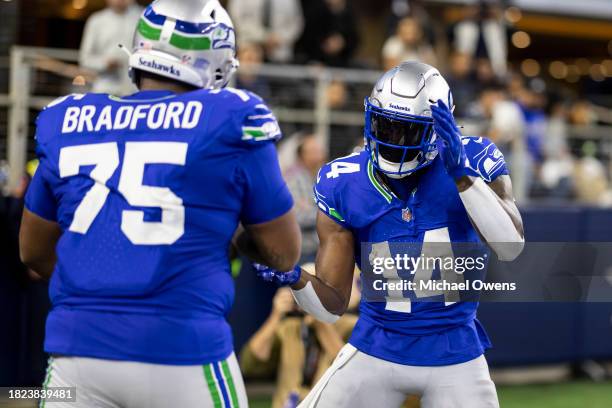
<point x="449" y="140"/>
<point x="280" y="278"/>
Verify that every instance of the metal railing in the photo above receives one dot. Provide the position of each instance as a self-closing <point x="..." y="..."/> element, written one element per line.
<point x="26" y="93"/>
<point x="300" y="96"/>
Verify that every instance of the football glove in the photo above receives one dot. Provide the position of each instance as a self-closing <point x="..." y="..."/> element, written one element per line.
<point x="449" y="143"/>
<point x="280" y="278"/>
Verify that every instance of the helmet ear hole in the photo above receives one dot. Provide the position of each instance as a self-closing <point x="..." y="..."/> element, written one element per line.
<point x="213" y="14"/>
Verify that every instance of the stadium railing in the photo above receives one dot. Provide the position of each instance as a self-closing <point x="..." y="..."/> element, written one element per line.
<point x="325" y="101"/>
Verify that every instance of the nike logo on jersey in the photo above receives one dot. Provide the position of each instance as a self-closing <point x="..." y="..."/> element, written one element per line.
<point x="163" y="115"/>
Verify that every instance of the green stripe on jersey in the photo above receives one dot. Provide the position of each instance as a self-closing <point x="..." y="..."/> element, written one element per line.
<point x="253" y="133"/>
<point x="335" y="214"/>
<point x="212" y="386"/>
<point x="376" y="184"/>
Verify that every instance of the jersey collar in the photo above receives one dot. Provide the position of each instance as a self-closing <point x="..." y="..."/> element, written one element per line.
<point x="145" y="96"/>
<point x="378" y="185"/>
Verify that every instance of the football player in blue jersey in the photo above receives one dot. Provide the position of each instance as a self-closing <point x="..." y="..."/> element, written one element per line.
<point x="418" y="181"/>
<point x="132" y="211"/>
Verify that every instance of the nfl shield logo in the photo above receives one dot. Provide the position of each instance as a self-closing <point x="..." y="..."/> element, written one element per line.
<point x="406" y="214"/>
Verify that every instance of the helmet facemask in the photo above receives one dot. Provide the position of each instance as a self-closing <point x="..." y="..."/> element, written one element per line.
<point x="399" y="144"/>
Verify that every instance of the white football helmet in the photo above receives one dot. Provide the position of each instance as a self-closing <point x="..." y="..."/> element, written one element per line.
<point x="398" y="123"/>
<point x="191" y="41"/>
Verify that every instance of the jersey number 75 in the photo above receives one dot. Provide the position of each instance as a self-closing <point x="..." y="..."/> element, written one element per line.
<point x="105" y="159"/>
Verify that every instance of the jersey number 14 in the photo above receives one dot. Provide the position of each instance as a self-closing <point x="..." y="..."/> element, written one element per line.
<point x="105" y="159"/>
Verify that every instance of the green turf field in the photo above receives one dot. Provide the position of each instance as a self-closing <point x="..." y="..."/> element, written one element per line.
<point x="579" y="394"/>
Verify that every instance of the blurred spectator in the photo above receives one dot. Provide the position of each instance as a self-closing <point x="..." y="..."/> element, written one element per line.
<point x="557" y="172"/>
<point x="507" y="129"/>
<point x="295" y="347"/>
<point x="592" y="186"/>
<point x="276" y="24"/>
<point x="300" y="177"/>
<point x="483" y="35"/>
<point x="407" y="44"/>
<point x="342" y="136"/>
<point x="485" y="75"/>
<point x="100" y="51"/>
<point x="532" y="100"/>
<point x="250" y="55"/>
<point x="461" y="82"/>
<point x="410" y="8"/>
<point x="330" y="34"/>
<point x="582" y="113"/>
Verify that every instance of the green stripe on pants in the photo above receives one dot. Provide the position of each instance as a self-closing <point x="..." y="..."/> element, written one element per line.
<point x="47" y="380"/>
<point x="212" y="386"/>
<point x="230" y="383"/>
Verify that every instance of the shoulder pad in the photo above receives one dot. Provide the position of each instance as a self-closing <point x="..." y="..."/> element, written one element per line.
<point x="330" y="187"/>
<point x="242" y="117"/>
<point x="258" y="122"/>
<point x="51" y="116"/>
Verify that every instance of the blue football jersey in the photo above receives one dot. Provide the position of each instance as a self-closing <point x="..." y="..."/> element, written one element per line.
<point x="400" y="328"/>
<point x="148" y="191"/>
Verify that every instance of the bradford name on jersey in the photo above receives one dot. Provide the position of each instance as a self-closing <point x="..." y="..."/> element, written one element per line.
<point x="148" y="191"/>
<point x="398" y="329"/>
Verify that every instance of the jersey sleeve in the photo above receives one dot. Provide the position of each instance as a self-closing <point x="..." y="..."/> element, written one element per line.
<point x="39" y="197"/>
<point x="266" y="195"/>
<point x="258" y="125"/>
<point x="485" y="160"/>
<point x="326" y="195"/>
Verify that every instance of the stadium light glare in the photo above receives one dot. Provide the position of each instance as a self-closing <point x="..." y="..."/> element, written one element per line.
<point x="607" y="64"/>
<point x="573" y="74"/>
<point x="530" y="67"/>
<point x="557" y="69"/>
<point x="521" y="39"/>
<point x="584" y="65"/>
<point x="597" y="72"/>
<point x="513" y="14"/>
<point x="79" y="4"/>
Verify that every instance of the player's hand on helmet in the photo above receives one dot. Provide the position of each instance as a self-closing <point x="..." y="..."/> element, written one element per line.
<point x="280" y="278"/>
<point x="449" y="140"/>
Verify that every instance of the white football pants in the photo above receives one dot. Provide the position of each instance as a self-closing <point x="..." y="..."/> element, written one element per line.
<point x="357" y="380"/>
<point x="127" y="384"/>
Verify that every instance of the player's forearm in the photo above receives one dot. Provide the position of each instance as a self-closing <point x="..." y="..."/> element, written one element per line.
<point x="274" y="256"/>
<point x="43" y="263"/>
<point x="497" y="220"/>
<point x="243" y="244"/>
<point x="37" y="240"/>
<point x="330" y="298"/>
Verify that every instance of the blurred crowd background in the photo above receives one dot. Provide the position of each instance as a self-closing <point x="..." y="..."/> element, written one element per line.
<point x="535" y="76"/>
